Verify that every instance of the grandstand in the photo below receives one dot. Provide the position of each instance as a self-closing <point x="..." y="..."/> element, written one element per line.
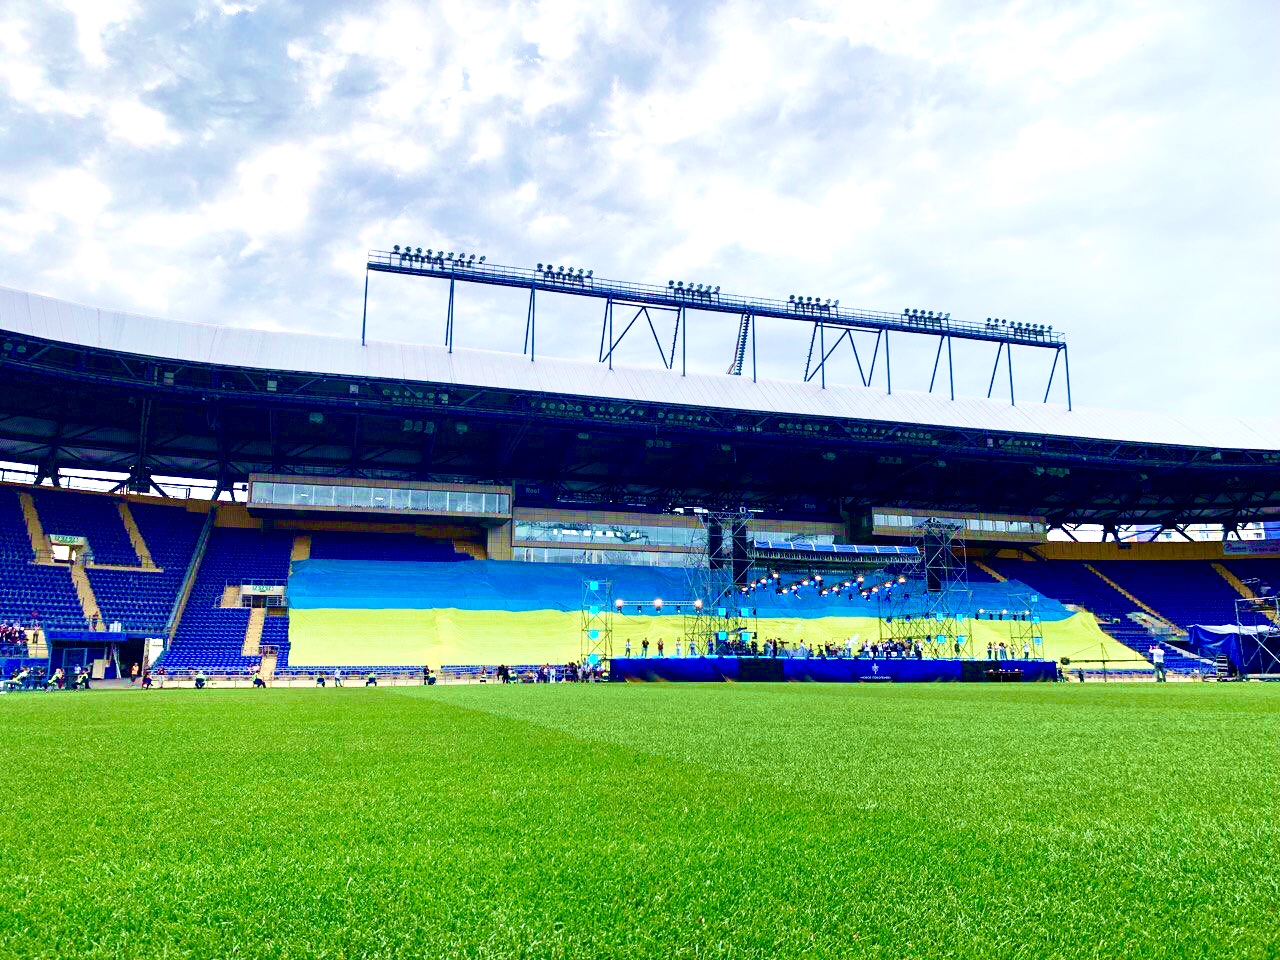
<point x="405" y="505"/>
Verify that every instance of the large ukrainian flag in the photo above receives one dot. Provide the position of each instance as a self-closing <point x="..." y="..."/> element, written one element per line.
<point x="382" y="613"/>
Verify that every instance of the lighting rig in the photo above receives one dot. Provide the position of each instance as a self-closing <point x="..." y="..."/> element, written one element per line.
<point x="830" y="324"/>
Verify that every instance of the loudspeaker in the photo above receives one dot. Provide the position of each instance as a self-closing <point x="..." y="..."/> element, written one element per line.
<point x="738" y="553"/>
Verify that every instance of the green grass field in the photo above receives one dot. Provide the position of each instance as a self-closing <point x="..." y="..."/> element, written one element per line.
<point x="643" y="821"/>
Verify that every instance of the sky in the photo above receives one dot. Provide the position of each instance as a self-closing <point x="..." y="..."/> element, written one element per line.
<point x="1108" y="169"/>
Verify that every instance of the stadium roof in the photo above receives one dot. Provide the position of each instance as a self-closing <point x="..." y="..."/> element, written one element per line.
<point x="59" y="320"/>
<point x="94" y="389"/>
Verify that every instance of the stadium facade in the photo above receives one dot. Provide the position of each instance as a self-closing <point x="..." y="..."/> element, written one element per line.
<point x="423" y="456"/>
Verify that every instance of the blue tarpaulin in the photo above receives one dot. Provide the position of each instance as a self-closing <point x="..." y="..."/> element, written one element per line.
<point x="1248" y="649"/>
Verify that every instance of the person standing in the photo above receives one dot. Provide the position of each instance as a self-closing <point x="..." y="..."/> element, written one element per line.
<point x="660" y="653"/>
<point x="644" y="647"/>
<point x="678" y="648"/>
<point x="337" y="676"/>
<point x="1157" y="660"/>
<point x="1026" y="651"/>
<point x="628" y="648"/>
<point x="133" y="673"/>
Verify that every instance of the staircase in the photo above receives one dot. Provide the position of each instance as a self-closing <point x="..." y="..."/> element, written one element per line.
<point x="301" y="549"/>
<point x="88" y="602"/>
<point x="253" y="633"/>
<point x="989" y="571"/>
<point x="37" y="646"/>
<point x="1132" y="599"/>
<point x="740" y="351"/>
<point x="1241" y="588"/>
<point x="35" y="530"/>
<point x="135" y="536"/>
<point x="267" y="668"/>
<point x="471" y="549"/>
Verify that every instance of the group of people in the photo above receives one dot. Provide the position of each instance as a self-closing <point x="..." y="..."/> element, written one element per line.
<point x="36" y="678"/>
<point x="13" y="640"/>
<point x="370" y="679"/>
<point x="572" y="672"/>
<point x="1003" y="651"/>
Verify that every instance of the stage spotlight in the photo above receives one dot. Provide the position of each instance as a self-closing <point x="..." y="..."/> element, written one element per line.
<point x="697" y="604"/>
<point x="902" y="579"/>
<point x="717" y="289"/>
<point x="539" y="266"/>
<point x="618" y="604"/>
<point x="836" y="304"/>
<point x="671" y="283"/>
<point x="590" y="273"/>
<point x="396" y="248"/>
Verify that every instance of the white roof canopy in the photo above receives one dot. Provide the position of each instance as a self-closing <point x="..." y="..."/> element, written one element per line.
<point x="59" y="320"/>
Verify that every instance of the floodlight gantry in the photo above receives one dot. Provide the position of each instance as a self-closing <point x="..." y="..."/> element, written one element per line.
<point x="656" y="305"/>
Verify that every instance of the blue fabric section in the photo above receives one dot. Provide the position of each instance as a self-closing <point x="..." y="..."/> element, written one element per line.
<point x="1255" y="652"/>
<point x="519" y="587"/>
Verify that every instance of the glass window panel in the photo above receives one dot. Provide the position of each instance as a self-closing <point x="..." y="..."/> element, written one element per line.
<point x="401" y="499"/>
<point x="360" y="496"/>
<point x="342" y="496"/>
<point x="419" y="500"/>
<point x="262" y="492"/>
<point x="324" y="495"/>
<point x="303" y="494"/>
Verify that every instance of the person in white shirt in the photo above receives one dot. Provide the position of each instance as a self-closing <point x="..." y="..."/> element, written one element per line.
<point x="1157" y="660"/>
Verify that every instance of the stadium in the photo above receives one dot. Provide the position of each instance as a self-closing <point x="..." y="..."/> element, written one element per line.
<point x="765" y="561"/>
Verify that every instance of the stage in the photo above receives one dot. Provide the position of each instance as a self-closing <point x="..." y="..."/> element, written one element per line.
<point x="818" y="670"/>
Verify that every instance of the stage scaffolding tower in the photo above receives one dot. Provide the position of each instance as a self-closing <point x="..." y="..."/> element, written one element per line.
<point x="1259" y="643"/>
<point x="935" y="608"/>
<point x="596" y="638"/>
<point x="716" y="574"/>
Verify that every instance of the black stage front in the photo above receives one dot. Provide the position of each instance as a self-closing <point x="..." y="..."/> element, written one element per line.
<point x="855" y="670"/>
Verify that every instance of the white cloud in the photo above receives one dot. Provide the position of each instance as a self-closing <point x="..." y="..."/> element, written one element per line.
<point x="140" y="125"/>
<point x="95" y="20"/>
<point x="1105" y="168"/>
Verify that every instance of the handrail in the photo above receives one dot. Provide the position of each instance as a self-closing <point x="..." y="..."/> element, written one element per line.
<point x="180" y="601"/>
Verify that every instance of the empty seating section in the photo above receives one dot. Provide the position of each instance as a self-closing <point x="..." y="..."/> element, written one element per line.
<point x="92" y="516"/>
<point x="28" y="592"/>
<point x="141" y="601"/>
<point x="1069" y="581"/>
<point x="211" y="637"/>
<point x="1183" y="591"/>
<point x="977" y="575"/>
<point x="342" y="545"/>
<point x="1266" y="572"/>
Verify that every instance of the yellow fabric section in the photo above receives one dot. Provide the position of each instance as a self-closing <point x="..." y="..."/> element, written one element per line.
<point x="436" y="637"/>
